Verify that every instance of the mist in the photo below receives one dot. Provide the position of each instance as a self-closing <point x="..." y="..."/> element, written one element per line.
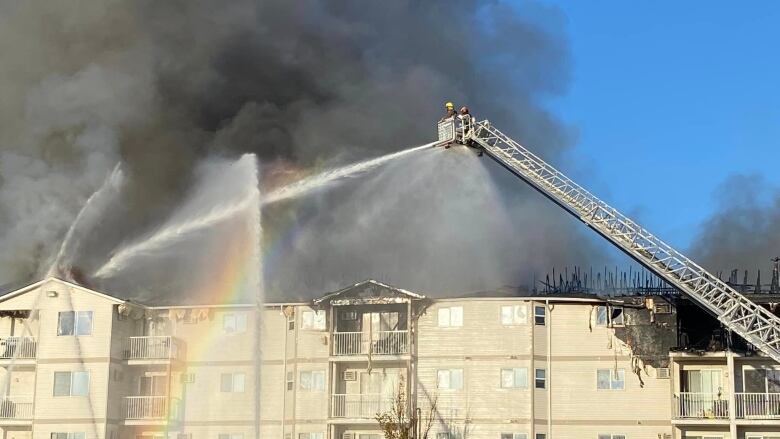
<point x="162" y="87"/>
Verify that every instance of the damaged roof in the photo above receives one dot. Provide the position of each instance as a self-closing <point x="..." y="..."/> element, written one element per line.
<point x="369" y="292"/>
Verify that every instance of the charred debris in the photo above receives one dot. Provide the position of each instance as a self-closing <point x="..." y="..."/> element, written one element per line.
<point x="653" y="318"/>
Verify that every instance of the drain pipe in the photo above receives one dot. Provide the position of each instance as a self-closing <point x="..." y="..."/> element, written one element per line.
<point x="284" y="368"/>
<point x="549" y="367"/>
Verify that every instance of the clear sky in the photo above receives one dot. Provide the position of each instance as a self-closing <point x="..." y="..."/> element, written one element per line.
<point x="669" y="99"/>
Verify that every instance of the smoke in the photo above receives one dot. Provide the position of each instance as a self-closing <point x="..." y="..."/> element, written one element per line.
<point x="162" y="86"/>
<point x="742" y="233"/>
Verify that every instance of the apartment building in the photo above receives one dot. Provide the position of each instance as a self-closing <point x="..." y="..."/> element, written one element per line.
<point x="507" y="364"/>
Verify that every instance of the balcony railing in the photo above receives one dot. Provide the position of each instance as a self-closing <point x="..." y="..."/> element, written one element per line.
<point x="16" y="408"/>
<point x="17" y="348"/>
<point x="378" y="343"/>
<point x="359" y="405"/>
<point x="758" y="405"/>
<point x="151" y="408"/>
<point x="701" y="405"/>
<point x="152" y="348"/>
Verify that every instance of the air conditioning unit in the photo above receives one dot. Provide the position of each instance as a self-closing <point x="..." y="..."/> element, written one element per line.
<point x="662" y="308"/>
<point x="348" y="315"/>
<point x="347" y="436"/>
<point x="188" y="377"/>
<point x="662" y="373"/>
<point x="350" y="375"/>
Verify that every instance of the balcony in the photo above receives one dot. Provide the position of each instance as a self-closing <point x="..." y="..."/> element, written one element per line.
<point x="17" y="348"/>
<point x="16" y="410"/>
<point x="689" y="405"/>
<point x="150" y="409"/>
<point x="359" y="405"/>
<point x="377" y="343"/>
<point x="153" y="348"/>
<point x="758" y="405"/>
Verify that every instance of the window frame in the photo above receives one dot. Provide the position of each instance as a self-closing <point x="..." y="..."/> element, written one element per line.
<point x="71" y="380"/>
<point x="75" y="326"/>
<point x="311" y="380"/>
<point x="239" y="323"/>
<point x="449" y="319"/>
<point x="613" y="373"/>
<point x="543" y="378"/>
<point x="449" y="372"/>
<point x="514" y="320"/>
<point x="313" y="324"/>
<point x="68" y="435"/>
<point x="233" y="376"/>
<point x="514" y="371"/>
<point x="537" y="316"/>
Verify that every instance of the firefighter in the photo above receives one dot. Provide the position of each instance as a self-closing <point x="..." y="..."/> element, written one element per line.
<point x="449" y="107"/>
<point x="466" y="125"/>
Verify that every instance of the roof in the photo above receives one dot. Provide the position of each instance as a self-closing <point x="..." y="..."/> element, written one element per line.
<point x="369" y="291"/>
<point x="19" y="291"/>
<point x="509" y="292"/>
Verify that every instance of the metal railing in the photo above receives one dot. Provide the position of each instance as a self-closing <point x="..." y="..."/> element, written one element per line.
<point x="17" y="348"/>
<point x="378" y="343"/>
<point x="758" y="405"/>
<point x="752" y="322"/>
<point x="16" y="407"/>
<point x="701" y="405"/>
<point x="152" y="348"/>
<point x="151" y="408"/>
<point x="359" y="405"/>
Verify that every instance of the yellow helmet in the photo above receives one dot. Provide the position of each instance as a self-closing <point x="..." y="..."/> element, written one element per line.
<point x="449" y="105"/>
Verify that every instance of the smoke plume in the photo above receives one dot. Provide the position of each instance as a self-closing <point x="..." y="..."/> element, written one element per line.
<point x="162" y="86"/>
<point x="742" y="233"/>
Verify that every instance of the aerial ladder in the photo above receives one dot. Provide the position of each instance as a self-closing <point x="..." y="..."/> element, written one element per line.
<point x="740" y="315"/>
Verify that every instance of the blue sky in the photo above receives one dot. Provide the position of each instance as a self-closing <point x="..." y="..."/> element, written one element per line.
<point x="668" y="100"/>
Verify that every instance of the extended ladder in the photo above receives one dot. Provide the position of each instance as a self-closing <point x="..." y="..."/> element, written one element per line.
<point x="751" y="321"/>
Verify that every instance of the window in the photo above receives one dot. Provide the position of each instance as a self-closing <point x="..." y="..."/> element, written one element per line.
<point x="310" y="435"/>
<point x="289" y="381"/>
<point x="74" y="323"/>
<point x="515" y="378"/>
<point x="442" y="436"/>
<point x="449" y="379"/>
<point x="291" y="325"/>
<point x="451" y="317"/>
<point x="71" y="383"/>
<point x="312" y="380"/>
<point x="514" y="436"/>
<point x="234" y="323"/>
<point x="540" y="378"/>
<point x="230" y="436"/>
<point x="539" y="315"/>
<point x="231" y="382"/>
<point x="662" y="308"/>
<point x="514" y="315"/>
<point x="609" y="315"/>
<point x="760" y="380"/>
<point x="313" y="320"/>
<point x="541" y="436"/>
<point x="610" y="379"/>
<point x="612" y="436"/>
<point x="79" y="435"/>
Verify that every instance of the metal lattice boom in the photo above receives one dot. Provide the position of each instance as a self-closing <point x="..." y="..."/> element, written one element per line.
<point x="744" y="317"/>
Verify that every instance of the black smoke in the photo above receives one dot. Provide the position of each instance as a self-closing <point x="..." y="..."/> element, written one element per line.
<point x="161" y="86"/>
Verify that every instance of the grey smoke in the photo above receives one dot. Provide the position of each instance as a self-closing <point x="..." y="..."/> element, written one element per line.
<point x="743" y="232"/>
<point x="161" y="86"/>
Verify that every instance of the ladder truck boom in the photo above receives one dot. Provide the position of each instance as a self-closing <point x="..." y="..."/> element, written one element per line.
<point x="752" y="322"/>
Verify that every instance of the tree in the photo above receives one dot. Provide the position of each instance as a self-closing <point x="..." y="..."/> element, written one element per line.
<point x="400" y="422"/>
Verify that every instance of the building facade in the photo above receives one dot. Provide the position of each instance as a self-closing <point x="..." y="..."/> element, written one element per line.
<point x="80" y="364"/>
